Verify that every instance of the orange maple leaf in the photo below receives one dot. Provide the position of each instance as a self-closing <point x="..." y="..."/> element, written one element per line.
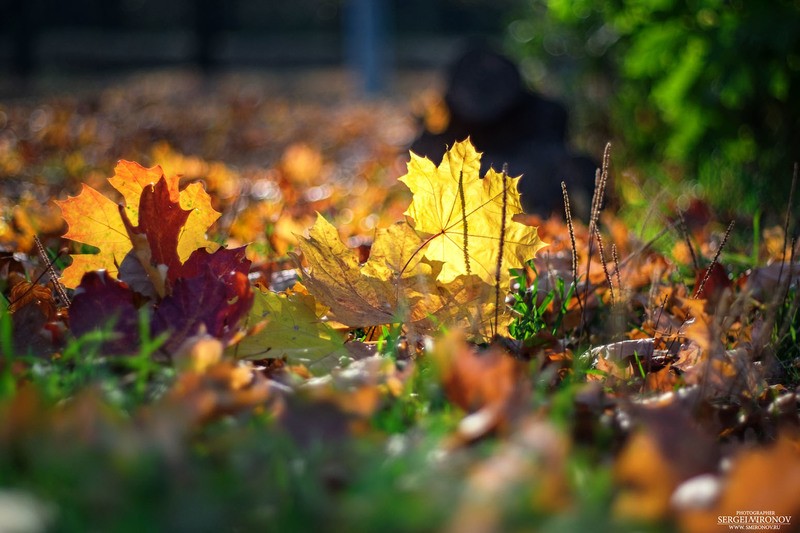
<point x="95" y="220"/>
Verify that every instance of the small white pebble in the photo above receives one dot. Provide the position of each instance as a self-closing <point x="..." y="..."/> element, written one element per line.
<point x="699" y="492"/>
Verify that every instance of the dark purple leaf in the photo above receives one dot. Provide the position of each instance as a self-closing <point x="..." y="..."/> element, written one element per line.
<point x="210" y="301"/>
<point x="222" y="262"/>
<point x="101" y="300"/>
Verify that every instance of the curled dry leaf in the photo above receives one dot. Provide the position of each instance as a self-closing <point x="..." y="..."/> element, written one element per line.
<point x="37" y="324"/>
<point x="767" y="282"/>
<point x="618" y="351"/>
<point x="728" y="374"/>
<point x="25" y="293"/>
<point x="220" y="388"/>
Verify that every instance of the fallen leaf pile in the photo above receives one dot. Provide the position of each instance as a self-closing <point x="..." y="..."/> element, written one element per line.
<point x="277" y="327"/>
<point x="152" y="250"/>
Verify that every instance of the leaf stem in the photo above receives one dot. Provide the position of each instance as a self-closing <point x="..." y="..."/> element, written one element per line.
<point x="418" y="250"/>
<point x="699" y="290"/>
<point x="568" y="215"/>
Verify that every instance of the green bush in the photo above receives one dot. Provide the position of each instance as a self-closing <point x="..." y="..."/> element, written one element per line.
<point x="709" y="85"/>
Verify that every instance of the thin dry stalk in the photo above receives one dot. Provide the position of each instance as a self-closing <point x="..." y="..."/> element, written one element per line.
<point x="707" y="275"/>
<point x="646" y="245"/>
<point x="789" y="280"/>
<point x="615" y="258"/>
<point x="784" y="327"/>
<point x="568" y="214"/>
<point x="661" y="308"/>
<point x="652" y="212"/>
<point x="50" y="269"/>
<point x="605" y="264"/>
<point x="500" y="249"/>
<point x="464" y="221"/>
<point x="600" y="180"/>
<point x="793" y="307"/>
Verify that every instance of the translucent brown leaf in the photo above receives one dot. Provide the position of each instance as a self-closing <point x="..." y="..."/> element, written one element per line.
<point x="394" y="285"/>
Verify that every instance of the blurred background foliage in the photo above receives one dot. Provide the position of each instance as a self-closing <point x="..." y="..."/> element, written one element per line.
<point x="700" y="95"/>
<point x="693" y="89"/>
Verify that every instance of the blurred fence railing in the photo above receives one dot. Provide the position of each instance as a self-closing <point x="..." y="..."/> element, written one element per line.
<point x="87" y="34"/>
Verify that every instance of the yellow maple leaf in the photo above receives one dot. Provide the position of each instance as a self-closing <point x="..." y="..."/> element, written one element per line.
<point x="396" y="284"/>
<point x="95" y="220"/>
<point x="467" y="221"/>
<point x="194" y="198"/>
<point x="130" y="179"/>
<point x="335" y="277"/>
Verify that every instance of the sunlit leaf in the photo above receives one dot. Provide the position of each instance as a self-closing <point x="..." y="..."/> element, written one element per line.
<point x="466" y="220"/>
<point x="394" y="285"/>
<point x="287" y="326"/>
<point x="95" y="220"/>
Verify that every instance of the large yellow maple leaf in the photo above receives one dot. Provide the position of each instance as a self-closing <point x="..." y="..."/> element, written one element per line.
<point x="467" y="221"/>
<point x="95" y="220"/>
<point x="396" y="284"/>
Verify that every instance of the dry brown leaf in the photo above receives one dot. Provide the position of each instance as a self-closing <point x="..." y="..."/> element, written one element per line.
<point x="490" y="384"/>
<point x="215" y="389"/>
<point x="760" y="488"/>
<point x="667" y="449"/>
